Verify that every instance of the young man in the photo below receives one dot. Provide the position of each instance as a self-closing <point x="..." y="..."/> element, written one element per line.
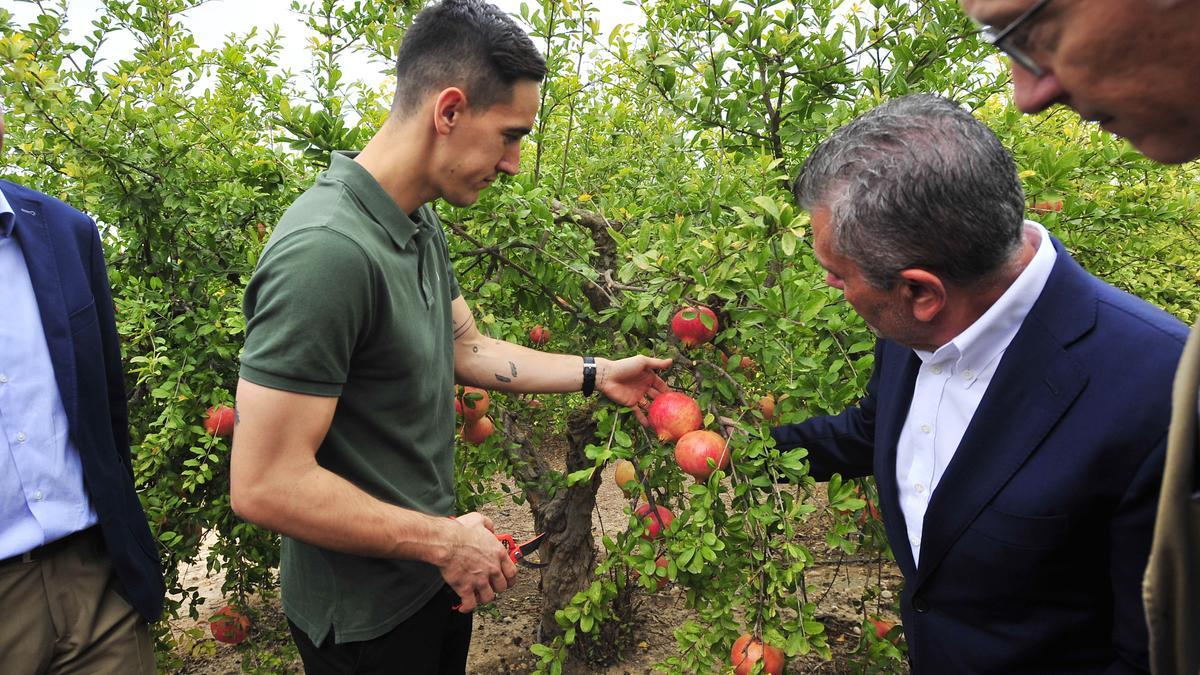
<point x="79" y="570"/>
<point x="1135" y="68"/>
<point x="1016" y="417"/>
<point x="356" y="334"/>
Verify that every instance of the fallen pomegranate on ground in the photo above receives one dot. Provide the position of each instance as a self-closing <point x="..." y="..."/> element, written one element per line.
<point x="229" y="625"/>
<point x="882" y="627"/>
<point x="749" y="650"/>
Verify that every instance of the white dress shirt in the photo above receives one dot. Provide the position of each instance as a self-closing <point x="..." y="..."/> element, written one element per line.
<point x="42" y="496"/>
<point x="952" y="381"/>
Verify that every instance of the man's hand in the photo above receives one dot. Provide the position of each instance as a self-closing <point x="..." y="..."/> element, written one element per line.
<point x="479" y="568"/>
<point x="632" y="382"/>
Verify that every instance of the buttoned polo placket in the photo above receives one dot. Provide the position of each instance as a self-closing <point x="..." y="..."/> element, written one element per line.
<point x="404" y="230"/>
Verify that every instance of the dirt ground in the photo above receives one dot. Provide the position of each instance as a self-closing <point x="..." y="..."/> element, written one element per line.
<point x="505" y="631"/>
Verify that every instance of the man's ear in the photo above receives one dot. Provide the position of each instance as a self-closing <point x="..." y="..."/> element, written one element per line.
<point x="448" y="109"/>
<point x="923" y="292"/>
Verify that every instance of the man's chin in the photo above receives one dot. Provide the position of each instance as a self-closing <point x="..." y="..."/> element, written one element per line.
<point x="1166" y="149"/>
<point x="462" y="201"/>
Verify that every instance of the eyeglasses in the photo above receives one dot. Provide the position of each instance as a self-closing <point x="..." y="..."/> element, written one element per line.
<point x="1008" y="38"/>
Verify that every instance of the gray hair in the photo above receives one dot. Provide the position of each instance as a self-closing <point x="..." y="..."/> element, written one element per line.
<point x="917" y="182"/>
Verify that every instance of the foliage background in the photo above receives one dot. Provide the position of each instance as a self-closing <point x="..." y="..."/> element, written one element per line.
<point x="678" y="136"/>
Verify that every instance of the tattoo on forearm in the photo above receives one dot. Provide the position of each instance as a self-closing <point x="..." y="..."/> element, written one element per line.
<point x="513" y="369"/>
<point x="462" y="328"/>
<point x="237" y="417"/>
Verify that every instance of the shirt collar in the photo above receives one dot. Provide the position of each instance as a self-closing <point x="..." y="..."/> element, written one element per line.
<point x="7" y="218"/>
<point x="383" y="209"/>
<point x="977" y="346"/>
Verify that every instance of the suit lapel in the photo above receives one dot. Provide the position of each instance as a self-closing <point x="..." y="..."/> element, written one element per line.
<point x="1035" y="383"/>
<point x="37" y="246"/>
<point x="895" y="396"/>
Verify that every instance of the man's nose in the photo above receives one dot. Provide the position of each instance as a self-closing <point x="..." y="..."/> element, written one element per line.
<point x="510" y="163"/>
<point x="1033" y="94"/>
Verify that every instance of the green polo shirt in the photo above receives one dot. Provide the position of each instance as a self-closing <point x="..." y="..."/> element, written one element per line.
<point x="351" y="298"/>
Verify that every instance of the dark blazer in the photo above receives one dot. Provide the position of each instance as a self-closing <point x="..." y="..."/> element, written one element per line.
<point x="66" y="264"/>
<point x="1036" y="536"/>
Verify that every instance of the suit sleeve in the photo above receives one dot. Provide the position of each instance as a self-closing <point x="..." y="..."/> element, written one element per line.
<point x="1130" y="534"/>
<point x="118" y="407"/>
<point x="843" y="443"/>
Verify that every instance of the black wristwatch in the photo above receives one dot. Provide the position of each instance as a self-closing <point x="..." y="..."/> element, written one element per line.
<point x="589" y="375"/>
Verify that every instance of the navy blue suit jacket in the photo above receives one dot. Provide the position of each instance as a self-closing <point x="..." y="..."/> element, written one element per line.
<point x="66" y="264"/>
<point x="1037" y="535"/>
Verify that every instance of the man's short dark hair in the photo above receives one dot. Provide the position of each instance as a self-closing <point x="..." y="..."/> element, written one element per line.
<point x="469" y="44"/>
<point x="917" y="182"/>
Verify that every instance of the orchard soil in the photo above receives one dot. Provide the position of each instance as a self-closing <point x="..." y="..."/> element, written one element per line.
<point x="505" y="631"/>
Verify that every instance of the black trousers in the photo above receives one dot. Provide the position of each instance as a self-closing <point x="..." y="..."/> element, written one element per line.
<point x="434" y="640"/>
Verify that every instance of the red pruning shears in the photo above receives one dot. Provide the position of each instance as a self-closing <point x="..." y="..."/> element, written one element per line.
<point x="519" y="553"/>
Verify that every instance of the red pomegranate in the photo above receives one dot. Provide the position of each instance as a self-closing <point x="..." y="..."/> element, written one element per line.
<point x="475" y="402"/>
<point x="749" y="650"/>
<point x="229" y="625"/>
<point x="673" y="414"/>
<point x="477" y="431"/>
<point x="689" y="325"/>
<point x="655" y="525"/>
<point x="218" y="421"/>
<point x="695" y="448"/>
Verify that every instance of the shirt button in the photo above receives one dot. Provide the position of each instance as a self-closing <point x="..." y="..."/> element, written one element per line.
<point x="967" y="374"/>
<point x="37" y="495"/>
<point x="925" y="428"/>
<point x="920" y="488"/>
<point x="3" y="378"/>
<point x="916" y="541"/>
<point x="937" y="370"/>
<point x="21" y="437"/>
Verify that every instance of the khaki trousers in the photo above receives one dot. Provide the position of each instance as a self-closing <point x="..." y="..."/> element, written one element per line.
<point x="62" y="614"/>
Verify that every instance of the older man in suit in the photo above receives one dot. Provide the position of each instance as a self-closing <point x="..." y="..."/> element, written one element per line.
<point x="1134" y="67"/>
<point x="79" y="574"/>
<point x="1016" y="417"/>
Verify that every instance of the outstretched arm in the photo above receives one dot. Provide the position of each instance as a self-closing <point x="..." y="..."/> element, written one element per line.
<point x="484" y="362"/>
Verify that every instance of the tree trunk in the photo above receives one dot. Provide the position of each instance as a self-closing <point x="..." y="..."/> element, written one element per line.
<point x="566" y="516"/>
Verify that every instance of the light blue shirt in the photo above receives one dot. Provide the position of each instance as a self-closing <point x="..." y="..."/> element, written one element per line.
<point x="42" y="497"/>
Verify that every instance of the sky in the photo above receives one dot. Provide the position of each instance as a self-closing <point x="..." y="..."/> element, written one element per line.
<point x="212" y="21"/>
